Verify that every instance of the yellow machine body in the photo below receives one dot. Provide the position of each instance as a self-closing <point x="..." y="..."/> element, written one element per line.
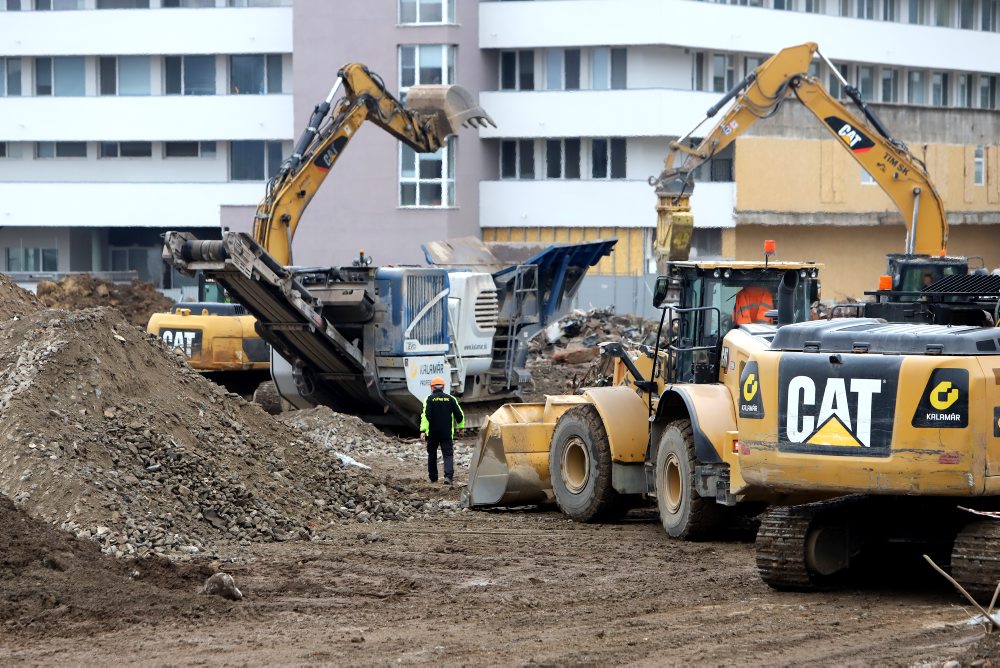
<point x="212" y="342"/>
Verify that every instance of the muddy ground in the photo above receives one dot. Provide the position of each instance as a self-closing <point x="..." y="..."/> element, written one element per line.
<point x="502" y="587"/>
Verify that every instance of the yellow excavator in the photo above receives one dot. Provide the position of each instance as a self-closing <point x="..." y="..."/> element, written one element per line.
<point x="219" y="338"/>
<point x="860" y="433"/>
<point x="900" y="174"/>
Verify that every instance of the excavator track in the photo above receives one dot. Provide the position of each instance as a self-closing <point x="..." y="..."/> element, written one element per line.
<point x="781" y="554"/>
<point x="975" y="558"/>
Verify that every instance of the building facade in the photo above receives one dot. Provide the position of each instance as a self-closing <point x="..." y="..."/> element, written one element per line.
<point x="118" y="124"/>
<point x="120" y="119"/>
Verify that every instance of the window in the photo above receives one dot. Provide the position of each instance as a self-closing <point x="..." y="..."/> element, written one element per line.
<point x="254" y="160"/>
<point x="189" y="75"/>
<point x="723" y="72"/>
<point x="188" y="3"/>
<point x="517" y="159"/>
<point x="966" y="14"/>
<point x="607" y="158"/>
<point x="123" y="4"/>
<point x="988" y="15"/>
<point x="942" y="13"/>
<point x="32" y="259"/>
<point x="865" y="9"/>
<point x="916" y="84"/>
<point x="890" y="85"/>
<point x="123" y="75"/>
<point x="815" y="6"/>
<point x="751" y="63"/>
<point x="866" y="82"/>
<point x="562" y="69"/>
<point x="425" y="64"/>
<point x="13" y="5"/>
<point x="979" y="166"/>
<point x="964" y="91"/>
<point x="916" y="11"/>
<point x="61" y="149"/>
<point x="517" y="70"/>
<point x="255" y="74"/>
<point x="866" y="178"/>
<point x="58" y="5"/>
<point x="939" y="88"/>
<point x="608" y="69"/>
<point x="562" y="158"/>
<point x="189" y="149"/>
<point x="718" y="168"/>
<point x="427" y="179"/>
<point x="426" y="11"/>
<point x="10" y="76"/>
<point x="987" y="91"/>
<point x="889" y="10"/>
<point x="3" y="149"/>
<point x="59" y="76"/>
<point x="698" y="72"/>
<point x="783" y="4"/>
<point x="835" y="87"/>
<point x="125" y="149"/>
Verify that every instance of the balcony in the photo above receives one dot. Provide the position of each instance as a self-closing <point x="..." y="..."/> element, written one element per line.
<point x="593" y="204"/>
<point x="121" y="204"/>
<point x="147" y="118"/>
<point x="591" y="113"/>
<point x="113" y="32"/>
<point x="707" y="25"/>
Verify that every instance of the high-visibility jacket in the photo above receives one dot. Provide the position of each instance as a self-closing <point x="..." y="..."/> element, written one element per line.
<point x="441" y="415"/>
<point x="751" y="305"/>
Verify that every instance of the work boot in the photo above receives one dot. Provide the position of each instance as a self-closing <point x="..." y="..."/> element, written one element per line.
<point x="447" y="481"/>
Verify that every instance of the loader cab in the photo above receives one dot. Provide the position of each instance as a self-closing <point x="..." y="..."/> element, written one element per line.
<point x="704" y="301"/>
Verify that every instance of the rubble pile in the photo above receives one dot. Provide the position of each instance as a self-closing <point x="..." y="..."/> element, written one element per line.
<point x="562" y="355"/>
<point x="361" y="441"/>
<point x="137" y="300"/>
<point x="110" y="435"/>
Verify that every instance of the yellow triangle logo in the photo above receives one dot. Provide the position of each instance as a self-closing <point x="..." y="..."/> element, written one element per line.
<point x="833" y="432"/>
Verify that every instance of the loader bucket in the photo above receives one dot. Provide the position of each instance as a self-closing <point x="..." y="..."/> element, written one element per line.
<point x="452" y="106"/>
<point x="510" y="466"/>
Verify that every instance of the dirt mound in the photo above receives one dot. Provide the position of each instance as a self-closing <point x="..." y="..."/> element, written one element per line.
<point x="137" y="300"/>
<point x="15" y="301"/>
<point x="52" y="582"/>
<point x="110" y="435"/>
<point x="361" y="441"/>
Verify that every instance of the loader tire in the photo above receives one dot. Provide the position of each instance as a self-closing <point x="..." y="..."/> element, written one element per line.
<point x="580" y="466"/>
<point x="683" y="513"/>
<point x="266" y="396"/>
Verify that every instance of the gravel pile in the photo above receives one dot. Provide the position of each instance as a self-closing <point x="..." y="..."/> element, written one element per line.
<point x="107" y="433"/>
<point x="363" y="442"/>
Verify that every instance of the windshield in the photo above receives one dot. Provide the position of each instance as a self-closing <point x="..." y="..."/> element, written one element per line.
<point x="746" y="301"/>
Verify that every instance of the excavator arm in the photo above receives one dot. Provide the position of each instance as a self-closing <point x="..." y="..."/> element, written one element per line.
<point x="899" y="173"/>
<point x="429" y="116"/>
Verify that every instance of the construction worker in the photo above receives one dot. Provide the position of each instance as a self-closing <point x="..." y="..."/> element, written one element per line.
<point x="439" y="419"/>
<point x="752" y="302"/>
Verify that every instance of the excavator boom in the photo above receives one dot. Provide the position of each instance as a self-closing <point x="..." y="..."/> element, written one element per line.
<point x="430" y="114"/>
<point x="900" y="174"/>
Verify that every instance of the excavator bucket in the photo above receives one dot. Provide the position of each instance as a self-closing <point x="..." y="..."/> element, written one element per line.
<point x="452" y="106"/>
<point x="510" y="466"/>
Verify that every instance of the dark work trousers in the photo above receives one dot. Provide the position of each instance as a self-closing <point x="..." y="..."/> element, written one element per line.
<point x="447" y="451"/>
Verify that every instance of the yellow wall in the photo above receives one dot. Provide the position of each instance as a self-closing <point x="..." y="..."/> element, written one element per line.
<point x="805" y="175"/>
<point x="627" y="258"/>
<point x="855" y="256"/>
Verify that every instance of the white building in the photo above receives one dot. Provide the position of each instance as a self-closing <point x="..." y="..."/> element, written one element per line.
<point x="120" y="119"/>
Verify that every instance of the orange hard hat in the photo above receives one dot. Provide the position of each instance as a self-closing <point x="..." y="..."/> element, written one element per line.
<point x="438" y="381"/>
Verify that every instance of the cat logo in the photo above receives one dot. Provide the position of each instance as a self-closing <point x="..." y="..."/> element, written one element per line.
<point x="187" y="341"/>
<point x="836" y="408"/>
<point x="856" y="140"/>
<point x="945" y="401"/>
<point x="751" y="405"/>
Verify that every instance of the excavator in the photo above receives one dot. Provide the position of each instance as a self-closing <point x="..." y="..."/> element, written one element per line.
<point x="926" y="284"/>
<point x="367" y="340"/>
<point x="858" y="433"/>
